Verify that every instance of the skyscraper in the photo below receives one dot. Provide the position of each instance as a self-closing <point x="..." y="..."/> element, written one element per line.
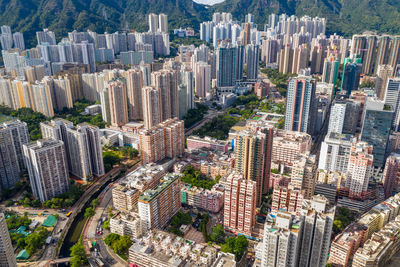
<point x="344" y="116"/>
<point x="317" y="220"/>
<point x="163" y="23"/>
<point x="19" y="42"/>
<point x="359" y="172"/>
<point x="335" y="152"/>
<point x="226" y="65"/>
<point x="391" y="174"/>
<point x="299" y="105"/>
<point x="253" y="55"/>
<point x="118" y="103"/>
<point x="7" y="256"/>
<point x="13" y="134"/>
<point x="47" y="168"/>
<point x="46" y="36"/>
<point x="330" y="71"/>
<point x="351" y="75"/>
<point x="202" y="79"/>
<point x="281" y="241"/>
<point x="151" y="107"/>
<point x="166" y="81"/>
<point x="304" y="174"/>
<point x="82" y="146"/>
<point x="392" y="98"/>
<point x="253" y="158"/>
<point x="166" y="139"/>
<point x="134" y="80"/>
<point x="377" y="122"/>
<point x="239" y="204"/>
<point x="384" y="72"/>
<point x="153" y="22"/>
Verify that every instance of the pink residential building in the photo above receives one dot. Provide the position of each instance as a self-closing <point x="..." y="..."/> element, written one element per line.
<point x="195" y="142"/>
<point x="239" y="204"/>
<point x="391" y="174"/>
<point x="287" y="198"/>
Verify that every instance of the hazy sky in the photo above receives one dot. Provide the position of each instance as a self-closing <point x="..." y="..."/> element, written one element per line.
<point x="208" y="2"/>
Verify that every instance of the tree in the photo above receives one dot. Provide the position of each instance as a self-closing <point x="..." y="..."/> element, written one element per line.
<point x="111" y="238"/>
<point x="78" y="255"/>
<point x="95" y="203"/>
<point x="121" y="245"/>
<point x="241" y="245"/>
<point x="89" y="212"/>
<point x="8" y="203"/>
<point x="106" y="224"/>
<point x="218" y="234"/>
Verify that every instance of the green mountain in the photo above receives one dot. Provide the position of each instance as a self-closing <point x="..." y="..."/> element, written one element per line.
<point x="62" y="16"/>
<point x="344" y="16"/>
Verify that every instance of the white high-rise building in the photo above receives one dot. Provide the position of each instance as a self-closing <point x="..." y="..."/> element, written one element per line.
<point x="163" y="23"/>
<point x="392" y="98"/>
<point x="19" y="42"/>
<point x="46" y="36"/>
<point x="13" y="134"/>
<point x="335" y="152"/>
<point x="281" y="242"/>
<point x="7" y="256"/>
<point x="337" y="117"/>
<point x="47" y="168"/>
<point x="153" y="22"/>
<point x="202" y="79"/>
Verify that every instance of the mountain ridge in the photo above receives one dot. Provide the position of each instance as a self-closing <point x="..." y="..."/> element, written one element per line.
<point x="344" y="17"/>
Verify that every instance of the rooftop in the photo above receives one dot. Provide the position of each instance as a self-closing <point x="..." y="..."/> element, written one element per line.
<point x="166" y="181"/>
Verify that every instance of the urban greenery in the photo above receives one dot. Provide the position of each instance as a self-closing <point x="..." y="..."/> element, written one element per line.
<point x="32" y="119"/>
<point x="74" y="114"/>
<point x="196" y="178"/>
<point x="64" y="200"/>
<point x="195" y="115"/>
<point x="119" y="244"/>
<point x="78" y="255"/>
<point x="181" y="218"/>
<point x="217" y="128"/>
<point x="279" y="79"/>
<point x="343" y="217"/>
<point x="89" y="212"/>
<point x="110" y="158"/>
<point x="32" y="242"/>
<point x="218" y="234"/>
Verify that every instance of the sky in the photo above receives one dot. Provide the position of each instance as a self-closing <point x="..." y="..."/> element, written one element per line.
<point x="208" y="2"/>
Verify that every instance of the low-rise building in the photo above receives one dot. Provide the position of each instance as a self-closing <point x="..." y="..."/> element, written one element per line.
<point x="163" y="249"/>
<point x="209" y="200"/>
<point x="126" y="224"/>
<point x="195" y="142"/>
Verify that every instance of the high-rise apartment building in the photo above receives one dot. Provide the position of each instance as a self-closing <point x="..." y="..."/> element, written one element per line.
<point x="7" y="256"/>
<point x="253" y="158"/>
<point x="253" y="55"/>
<point x="46" y="36"/>
<point x="269" y="51"/>
<point x="118" y="103"/>
<point x="163" y="23"/>
<point x="304" y="174"/>
<point x="157" y="206"/>
<point x="391" y="174"/>
<point x="134" y="82"/>
<point x="359" y="170"/>
<point x="377" y="122"/>
<point x="392" y="98"/>
<point x="281" y="242"/>
<point x="287" y="198"/>
<point x="227" y="65"/>
<point x="287" y="146"/>
<point x="317" y="220"/>
<point x="163" y="140"/>
<point x="47" y="168"/>
<point x="151" y="107"/>
<point x="335" y="152"/>
<point x="300" y="104"/>
<point x="166" y="81"/>
<point x="82" y="146"/>
<point x="240" y="204"/>
<point x="383" y="74"/>
<point x="13" y="135"/>
<point x="344" y="116"/>
<point x="202" y="79"/>
<point x="330" y="70"/>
